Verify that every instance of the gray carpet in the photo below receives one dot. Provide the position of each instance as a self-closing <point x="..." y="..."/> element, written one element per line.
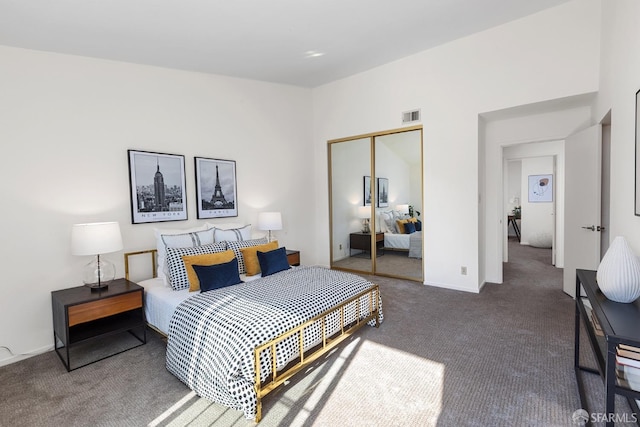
<point x="503" y="357"/>
<point x="390" y="262"/>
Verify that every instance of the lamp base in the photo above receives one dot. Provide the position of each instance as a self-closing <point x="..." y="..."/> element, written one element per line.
<point x="96" y="286"/>
<point x="98" y="273"/>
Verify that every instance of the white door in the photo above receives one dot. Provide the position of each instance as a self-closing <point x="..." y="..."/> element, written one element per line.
<point x="582" y="204"/>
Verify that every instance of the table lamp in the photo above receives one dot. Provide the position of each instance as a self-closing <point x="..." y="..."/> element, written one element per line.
<point x="270" y="221"/>
<point x="364" y="213"/>
<point x="96" y="239"/>
<point x="403" y="209"/>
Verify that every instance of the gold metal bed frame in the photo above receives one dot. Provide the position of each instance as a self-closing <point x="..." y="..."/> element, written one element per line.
<point x="306" y="356"/>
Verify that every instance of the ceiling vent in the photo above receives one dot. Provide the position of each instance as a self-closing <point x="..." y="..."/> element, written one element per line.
<point x="411" y="116"/>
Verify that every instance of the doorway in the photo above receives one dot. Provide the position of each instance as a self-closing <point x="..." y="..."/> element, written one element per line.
<point x="582" y="184"/>
<point x="527" y="125"/>
<point x="534" y="191"/>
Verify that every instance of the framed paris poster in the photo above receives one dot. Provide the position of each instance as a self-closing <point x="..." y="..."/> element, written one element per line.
<point x="216" y="188"/>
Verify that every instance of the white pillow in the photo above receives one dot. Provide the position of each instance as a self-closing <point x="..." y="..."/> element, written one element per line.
<point x="389" y="221"/>
<point x="161" y="248"/>
<point x="380" y="223"/>
<point x="176" y="270"/>
<point x="236" y="245"/>
<point x="232" y="234"/>
<point x="225" y="225"/>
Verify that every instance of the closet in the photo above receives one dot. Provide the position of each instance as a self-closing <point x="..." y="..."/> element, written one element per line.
<point x="375" y="189"/>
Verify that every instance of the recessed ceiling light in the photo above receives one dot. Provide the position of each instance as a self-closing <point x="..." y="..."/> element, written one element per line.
<point x="313" y="54"/>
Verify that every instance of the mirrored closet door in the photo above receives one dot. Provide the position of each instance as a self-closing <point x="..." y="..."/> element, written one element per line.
<point x="376" y="203"/>
<point x="350" y="187"/>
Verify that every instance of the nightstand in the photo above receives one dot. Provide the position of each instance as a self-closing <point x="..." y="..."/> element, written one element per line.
<point x="362" y="241"/>
<point x="293" y="257"/>
<point x="82" y="315"/>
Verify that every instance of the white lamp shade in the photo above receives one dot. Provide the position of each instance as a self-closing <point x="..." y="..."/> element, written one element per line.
<point x="403" y="209"/>
<point x="95" y="238"/>
<point x="364" y="212"/>
<point x="270" y="221"/>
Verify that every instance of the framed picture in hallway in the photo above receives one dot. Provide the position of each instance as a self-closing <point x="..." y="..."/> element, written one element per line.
<point x="637" y="172"/>
<point x="540" y="188"/>
<point x="216" y="188"/>
<point x="157" y="183"/>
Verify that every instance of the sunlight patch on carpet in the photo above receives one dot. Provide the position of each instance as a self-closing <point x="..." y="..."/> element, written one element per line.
<point x="173" y="409"/>
<point x="405" y="388"/>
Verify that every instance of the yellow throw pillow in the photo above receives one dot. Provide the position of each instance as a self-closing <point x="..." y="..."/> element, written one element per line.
<point x="413" y="219"/>
<point x="204" y="259"/>
<point x="250" y="256"/>
<point x="401" y="223"/>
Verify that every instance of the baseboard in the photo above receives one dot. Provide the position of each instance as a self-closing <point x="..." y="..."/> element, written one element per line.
<point x="452" y="287"/>
<point x="13" y="358"/>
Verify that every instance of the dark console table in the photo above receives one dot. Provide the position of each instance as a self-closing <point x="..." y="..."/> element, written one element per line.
<point x="608" y="324"/>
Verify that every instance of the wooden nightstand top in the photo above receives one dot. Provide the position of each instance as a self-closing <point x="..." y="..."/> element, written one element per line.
<point x="84" y="294"/>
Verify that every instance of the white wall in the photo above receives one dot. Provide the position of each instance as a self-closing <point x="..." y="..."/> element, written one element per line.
<point x="67" y="123"/>
<point x="514" y="180"/>
<point x="393" y="167"/>
<point x="619" y="81"/>
<point x="513" y="190"/>
<point x="510" y="65"/>
<point x="538" y="218"/>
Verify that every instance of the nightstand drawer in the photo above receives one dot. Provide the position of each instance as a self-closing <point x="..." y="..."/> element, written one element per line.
<point x="87" y="312"/>
<point x="293" y="257"/>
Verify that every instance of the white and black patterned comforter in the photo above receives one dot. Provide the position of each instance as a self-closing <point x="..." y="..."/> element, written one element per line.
<point x="212" y="335"/>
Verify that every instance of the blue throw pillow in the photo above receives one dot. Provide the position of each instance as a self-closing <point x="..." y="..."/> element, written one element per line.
<point x="418" y="225"/>
<point x="272" y="262"/>
<point x="218" y="276"/>
<point x="409" y="227"/>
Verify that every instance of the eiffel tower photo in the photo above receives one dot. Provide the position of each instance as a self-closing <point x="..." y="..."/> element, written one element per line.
<point x="218" y="200"/>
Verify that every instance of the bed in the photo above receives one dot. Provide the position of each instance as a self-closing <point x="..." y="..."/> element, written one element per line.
<point x="392" y="225"/>
<point x="405" y="242"/>
<point x="236" y="344"/>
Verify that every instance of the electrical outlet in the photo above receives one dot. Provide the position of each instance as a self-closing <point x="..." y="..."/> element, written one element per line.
<point x="463" y="270"/>
<point x="340" y="246"/>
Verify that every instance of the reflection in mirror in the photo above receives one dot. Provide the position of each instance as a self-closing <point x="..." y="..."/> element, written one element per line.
<point x="350" y="199"/>
<point x="398" y="169"/>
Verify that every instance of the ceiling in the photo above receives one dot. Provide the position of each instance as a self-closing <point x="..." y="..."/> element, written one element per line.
<point x="275" y="41"/>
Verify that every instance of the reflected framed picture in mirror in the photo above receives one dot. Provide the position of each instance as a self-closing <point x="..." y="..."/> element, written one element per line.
<point x="383" y="192"/>
<point x="366" y="191"/>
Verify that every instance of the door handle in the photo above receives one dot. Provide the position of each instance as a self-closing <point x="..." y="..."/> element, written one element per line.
<point x="600" y="228"/>
<point x="592" y="228"/>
